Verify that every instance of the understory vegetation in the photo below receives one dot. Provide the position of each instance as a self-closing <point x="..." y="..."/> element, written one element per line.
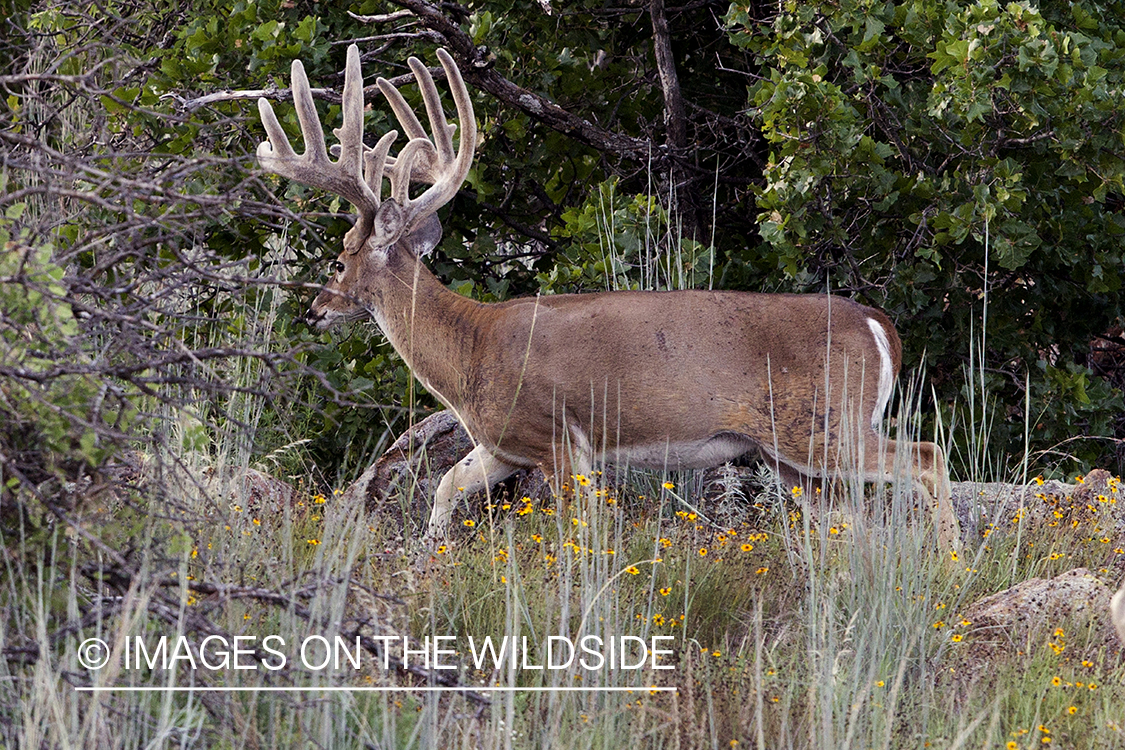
<point x="790" y="621"/>
<point x="176" y="446"/>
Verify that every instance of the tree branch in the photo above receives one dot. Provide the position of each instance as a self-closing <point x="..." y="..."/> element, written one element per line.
<point x="674" y="117"/>
<point x="478" y="70"/>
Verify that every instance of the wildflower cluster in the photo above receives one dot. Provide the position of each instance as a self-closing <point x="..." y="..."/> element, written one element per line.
<point x="1080" y="506"/>
<point x="1058" y="645"/>
<point x="1059" y="682"/>
<point x="957" y="629"/>
<point x="661" y="620"/>
<point x="1089" y="510"/>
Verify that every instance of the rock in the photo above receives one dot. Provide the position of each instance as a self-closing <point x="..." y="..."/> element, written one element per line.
<point x="412" y="467"/>
<point x="1016" y="614"/>
<point x="247" y="488"/>
<point x="1094" y="489"/>
<point x="978" y="504"/>
<point x="260" y="491"/>
<point x="1069" y="613"/>
<point x="408" y="473"/>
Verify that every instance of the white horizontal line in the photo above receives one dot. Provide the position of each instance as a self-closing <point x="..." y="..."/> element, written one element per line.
<point x="396" y="689"/>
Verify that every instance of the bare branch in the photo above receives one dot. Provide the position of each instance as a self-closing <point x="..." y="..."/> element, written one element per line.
<point x="479" y="71"/>
<point x="276" y="94"/>
<point x="382" y="18"/>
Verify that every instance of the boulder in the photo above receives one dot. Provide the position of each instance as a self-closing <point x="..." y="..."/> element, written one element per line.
<point x="261" y="492"/>
<point x="1097" y="496"/>
<point x="1020" y="614"/>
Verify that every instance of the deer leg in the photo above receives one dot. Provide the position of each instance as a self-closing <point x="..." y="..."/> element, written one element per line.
<point x="928" y="473"/>
<point x="562" y="476"/>
<point x="476" y="471"/>
<point x="934" y="476"/>
<point x="571" y="466"/>
<point x="569" y="458"/>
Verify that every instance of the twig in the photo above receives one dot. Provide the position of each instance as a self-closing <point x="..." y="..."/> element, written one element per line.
<point x="382" y="18"/>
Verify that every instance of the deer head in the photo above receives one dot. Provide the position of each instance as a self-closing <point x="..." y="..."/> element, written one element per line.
<point x="384" y="226"/>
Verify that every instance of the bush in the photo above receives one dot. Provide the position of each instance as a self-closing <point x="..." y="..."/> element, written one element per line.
<point x="937" y="160"/>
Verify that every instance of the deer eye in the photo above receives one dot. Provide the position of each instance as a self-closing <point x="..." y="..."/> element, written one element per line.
<point x="338" y="266"/>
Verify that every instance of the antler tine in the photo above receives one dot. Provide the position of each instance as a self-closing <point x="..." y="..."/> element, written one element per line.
<point x="438" y="164"/>
<point x="451" y="175"/>
<point x="403" y="172"/>
<point x="350" y="133"/>
<point x="423" y="172"/>
<point x="442" y="131"/>
<point x="375" y="160"/>
<point x="343" y="177"/>
<point x="402" y="110"/>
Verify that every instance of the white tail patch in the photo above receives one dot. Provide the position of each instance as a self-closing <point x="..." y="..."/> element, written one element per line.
<point x="886" y="372"/>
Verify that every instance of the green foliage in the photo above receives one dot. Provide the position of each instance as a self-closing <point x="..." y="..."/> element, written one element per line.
<point x="608" y="239"/>
<point x="932" y="157"/>
<point x="378" y="399"/>
<point x="50" y="404"/>
<point x="616" y="240"/>
<point x="1077" y="403"/>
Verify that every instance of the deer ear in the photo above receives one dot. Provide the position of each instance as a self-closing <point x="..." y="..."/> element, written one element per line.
<point x="388" y="223"/>
<point x="426" y="237"/>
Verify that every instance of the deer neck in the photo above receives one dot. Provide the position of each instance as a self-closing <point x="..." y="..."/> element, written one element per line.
<point x="428" y="325"/>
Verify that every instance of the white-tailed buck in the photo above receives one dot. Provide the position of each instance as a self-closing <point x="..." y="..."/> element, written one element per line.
<point x="667" y="380"/>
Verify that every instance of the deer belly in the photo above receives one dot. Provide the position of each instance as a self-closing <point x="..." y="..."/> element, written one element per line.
<point x="682" y="454"/>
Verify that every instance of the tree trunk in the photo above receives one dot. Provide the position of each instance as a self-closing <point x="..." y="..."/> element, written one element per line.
<point x="687" y="204"/>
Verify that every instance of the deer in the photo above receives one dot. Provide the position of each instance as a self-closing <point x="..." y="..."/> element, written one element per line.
<point x="686" y="379"/>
